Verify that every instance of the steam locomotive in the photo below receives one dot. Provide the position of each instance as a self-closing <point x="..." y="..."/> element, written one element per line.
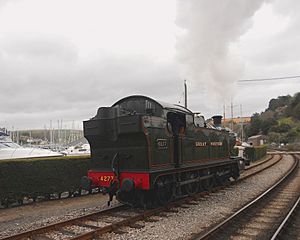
<point x="146" y="152"/>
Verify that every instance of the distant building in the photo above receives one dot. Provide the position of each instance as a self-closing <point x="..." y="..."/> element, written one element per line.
<point x="257" y="140"/>
<point x="237" y="120"/>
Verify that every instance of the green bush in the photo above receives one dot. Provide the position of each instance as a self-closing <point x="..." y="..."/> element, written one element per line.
<point x="42" y="176"/>
<point x="255" y="153"/>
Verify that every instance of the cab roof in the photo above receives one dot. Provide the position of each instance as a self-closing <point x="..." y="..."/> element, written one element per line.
<point x="167" y="106"/>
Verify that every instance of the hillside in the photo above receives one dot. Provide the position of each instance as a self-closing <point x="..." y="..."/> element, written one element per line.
<point x="280" y="122"/>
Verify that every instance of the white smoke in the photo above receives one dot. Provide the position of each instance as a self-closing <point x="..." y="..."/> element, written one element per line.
<point x="209" y="28"/>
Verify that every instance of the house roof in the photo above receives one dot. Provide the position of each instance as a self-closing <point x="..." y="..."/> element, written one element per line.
<point x="256" y="136"/>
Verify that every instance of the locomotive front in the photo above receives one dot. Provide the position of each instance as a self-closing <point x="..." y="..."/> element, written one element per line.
<point x="119" y="144"/>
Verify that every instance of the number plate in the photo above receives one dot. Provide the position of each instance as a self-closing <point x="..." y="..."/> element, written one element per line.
<point x="106" y="178"/>
<point x="161" y="143"/>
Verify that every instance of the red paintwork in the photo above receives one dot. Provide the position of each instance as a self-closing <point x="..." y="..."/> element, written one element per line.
<point x="141" y="180"/>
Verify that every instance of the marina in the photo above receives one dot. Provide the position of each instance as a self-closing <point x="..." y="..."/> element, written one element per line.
<point x="33" y="148"/>
<point x="11" y="150"/>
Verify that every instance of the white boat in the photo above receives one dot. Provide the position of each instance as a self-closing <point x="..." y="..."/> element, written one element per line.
<point x="77" y="150"/>
<point x="11" y="150"/>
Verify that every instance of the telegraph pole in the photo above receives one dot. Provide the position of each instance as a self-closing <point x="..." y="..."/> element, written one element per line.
<point x="185" y="94"/>
<point x="224" y="114"/>
<point x="231" y="108"/>
<point x="242" y="123"/>
<point x="51" y="134"/>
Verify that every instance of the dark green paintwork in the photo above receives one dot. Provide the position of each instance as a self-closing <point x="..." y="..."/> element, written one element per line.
<point x="136" y="127"/>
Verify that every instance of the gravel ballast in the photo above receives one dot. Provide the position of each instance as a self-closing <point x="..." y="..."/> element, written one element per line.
<point x="179" y="225"/>
<point x="24" y="218"/>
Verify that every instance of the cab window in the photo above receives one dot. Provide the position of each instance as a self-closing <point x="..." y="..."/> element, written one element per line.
<point x="199" y="121"/>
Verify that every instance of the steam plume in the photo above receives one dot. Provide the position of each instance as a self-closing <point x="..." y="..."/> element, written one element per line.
<point x="203" y="48"/>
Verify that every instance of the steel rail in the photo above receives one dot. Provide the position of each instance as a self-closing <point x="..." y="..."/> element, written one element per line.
<point x="262" y="169"/>
<point x="57" y="225"/>
<point x="286" y="219"/>
<point x="142" y="216"/>
<point x="270" y="157"/>
<point x="102" y="230"/>
<point x="215" y="229"/>
<point x="285" y="223"/>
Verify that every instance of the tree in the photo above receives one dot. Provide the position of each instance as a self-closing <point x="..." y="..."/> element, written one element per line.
<point x="281" y="128"/>
<point x="294" y="107"/>
<point x="255" y="124"/>
<point x="281" y="101"/>
<point x="296" y="112"/>
<point x="293" y="135"/>
<point x="265" y="125"/>
<point x="274" y="137"/>
<point x="280" y="122"/>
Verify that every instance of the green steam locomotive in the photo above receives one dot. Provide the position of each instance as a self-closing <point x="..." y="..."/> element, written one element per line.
<point x="148" y="153"/>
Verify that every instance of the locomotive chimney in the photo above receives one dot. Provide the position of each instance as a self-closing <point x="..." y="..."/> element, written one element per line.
<point x="217" y="120"/>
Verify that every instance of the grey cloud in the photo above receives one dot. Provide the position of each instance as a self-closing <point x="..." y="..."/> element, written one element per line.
<point x="34" y="45"/>
<point x="4" y="2"/>
<point x="283" y="48"/>
<point x="75" y="89"/>
<point x="287" y="7"/>
<point x="44" y="78"/>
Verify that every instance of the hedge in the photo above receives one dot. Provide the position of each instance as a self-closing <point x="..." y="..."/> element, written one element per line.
<point x="41" y="176"/>
<point x="255" y="153"/>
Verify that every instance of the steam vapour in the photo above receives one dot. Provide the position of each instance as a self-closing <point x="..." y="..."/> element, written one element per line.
<point x="203" y="47"/>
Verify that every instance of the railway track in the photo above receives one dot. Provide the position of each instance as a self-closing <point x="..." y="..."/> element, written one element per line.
<point x="113" y="219"/>
<point x="96" y="224"/>
<point x="264" y="217"/>
<point x="261" y="166"/>
<point x="261" y="162"/>
<point x="290" y="226"/>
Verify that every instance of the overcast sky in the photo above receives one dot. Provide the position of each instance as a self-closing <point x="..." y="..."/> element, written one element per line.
<point x="62" y="59"/>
